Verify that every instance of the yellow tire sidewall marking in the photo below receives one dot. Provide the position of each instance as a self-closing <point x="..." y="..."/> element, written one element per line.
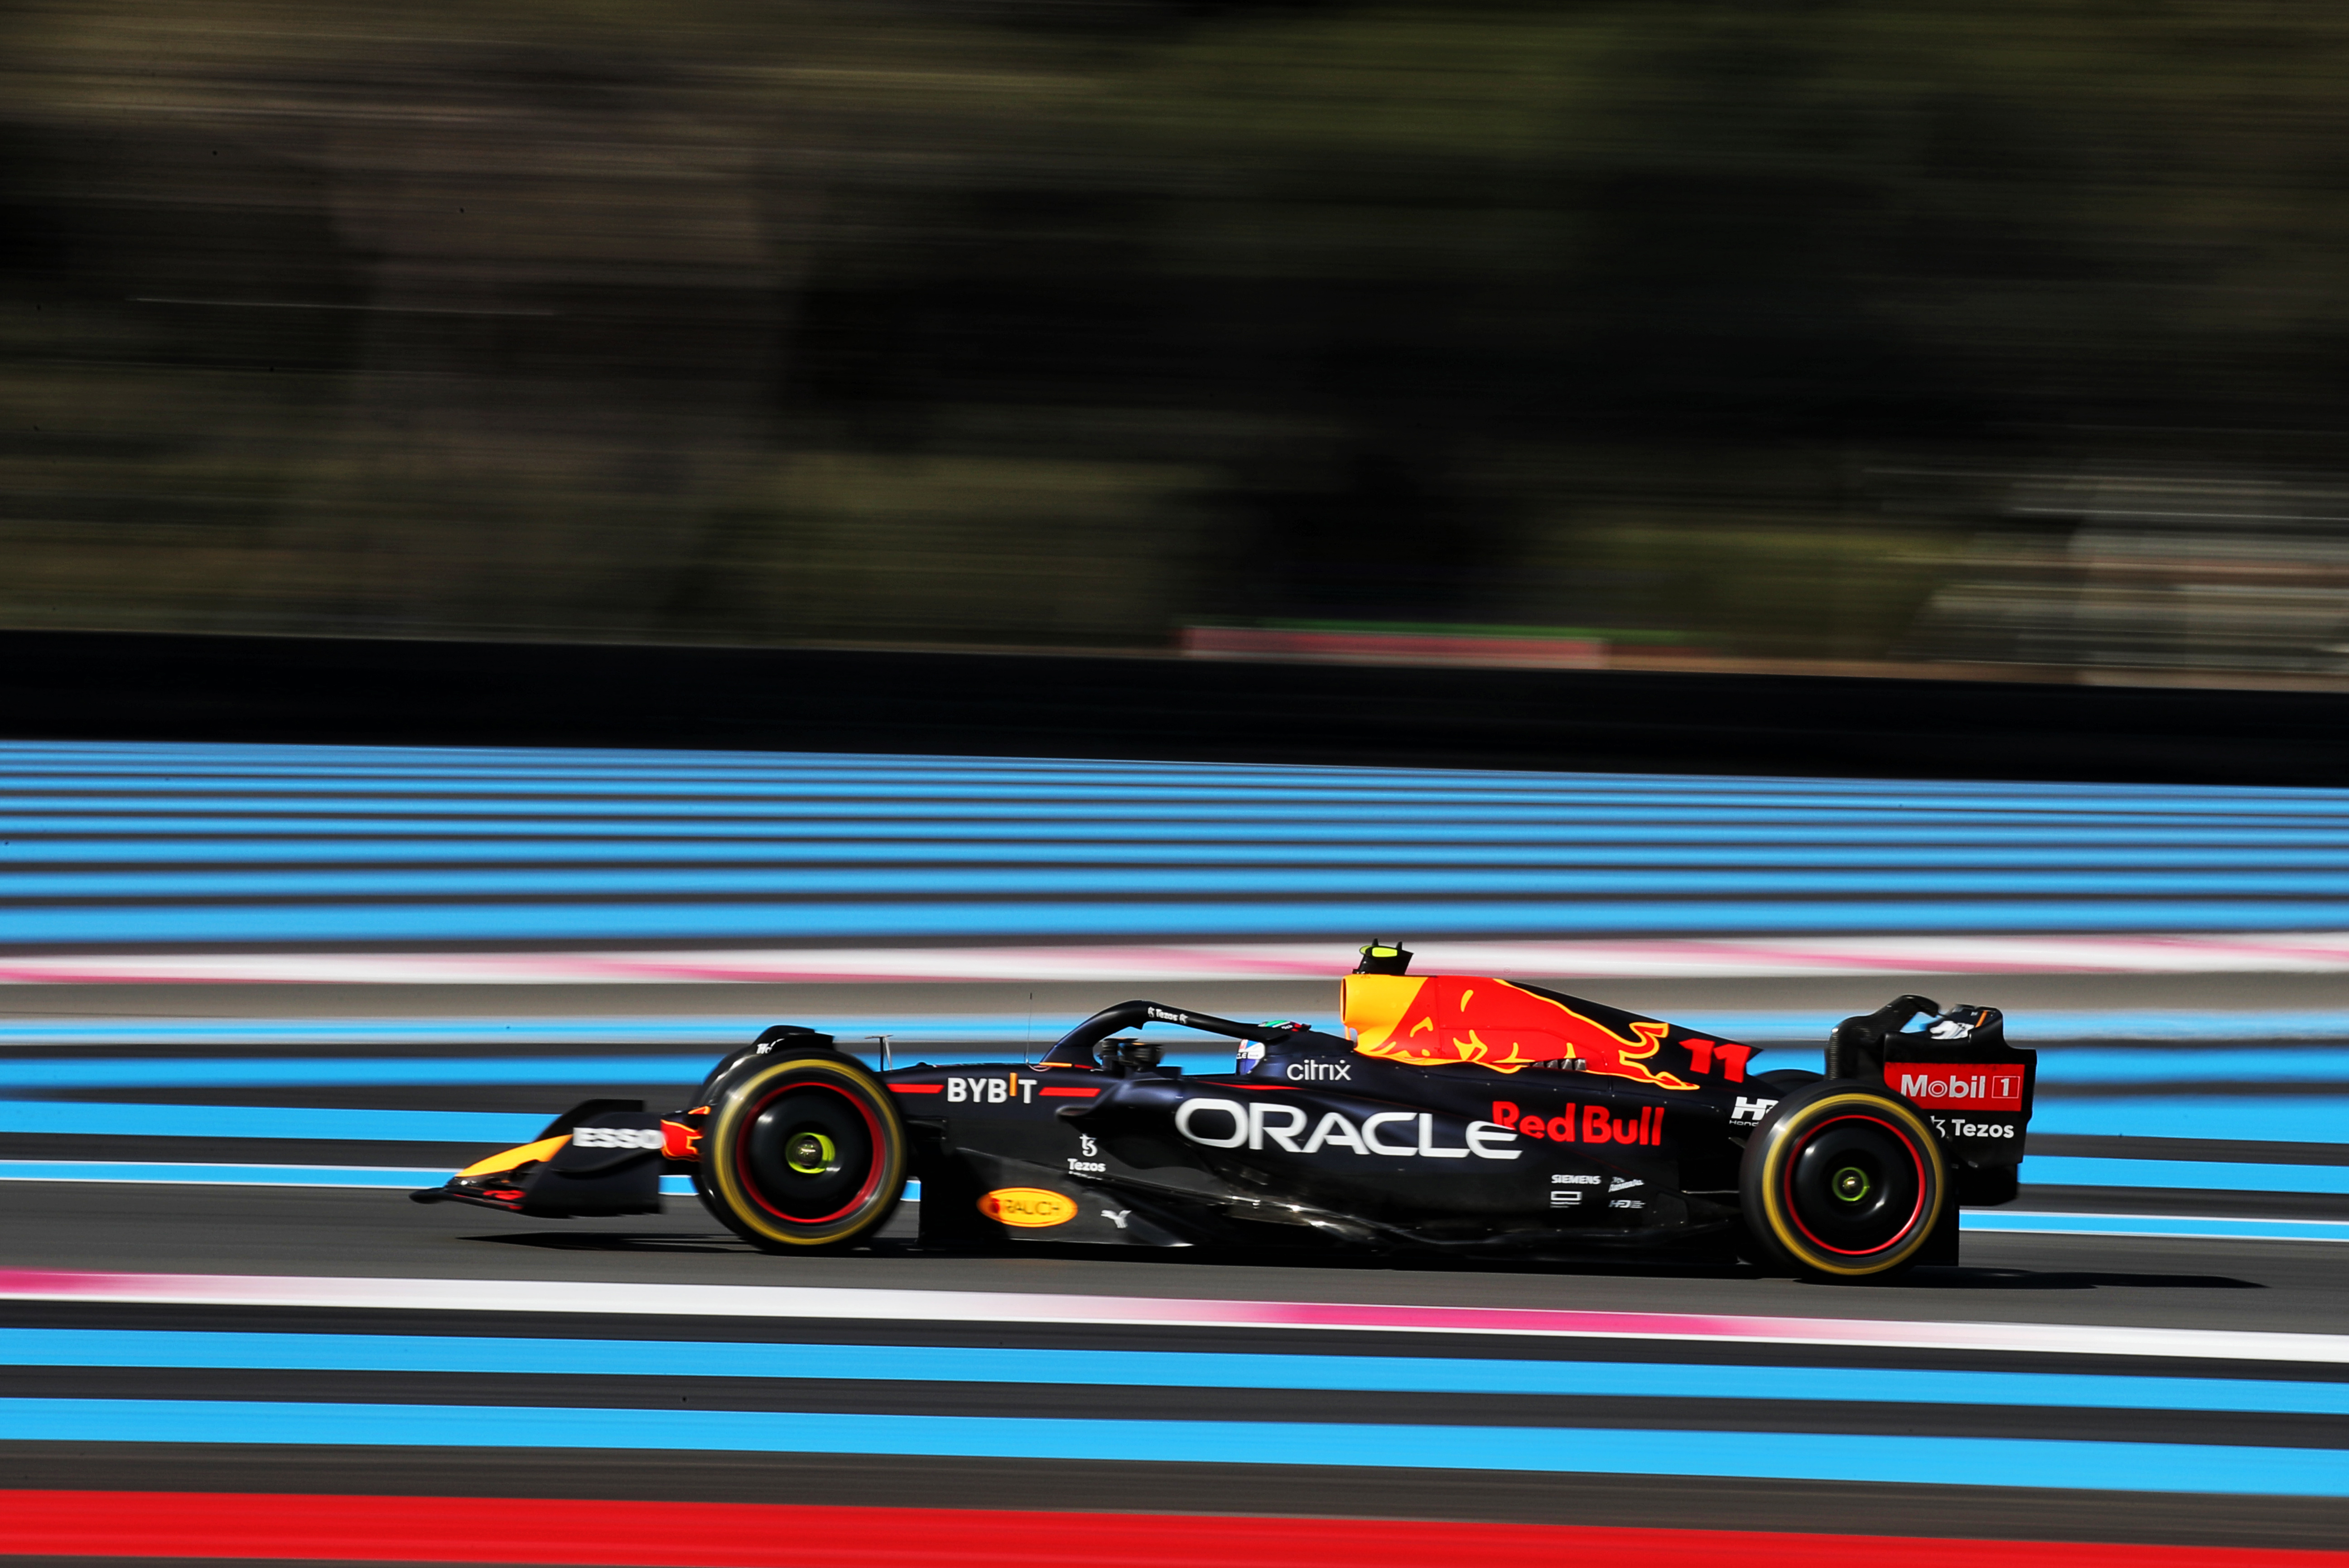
<point x="1774" y="1168"/>
<point x="727" y="1132"/>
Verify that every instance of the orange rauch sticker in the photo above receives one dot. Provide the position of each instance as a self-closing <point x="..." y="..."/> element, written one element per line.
<point x="1029" y="1207"/>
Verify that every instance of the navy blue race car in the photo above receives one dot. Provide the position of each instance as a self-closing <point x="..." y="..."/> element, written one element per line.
<point x="1466" y="1115"/>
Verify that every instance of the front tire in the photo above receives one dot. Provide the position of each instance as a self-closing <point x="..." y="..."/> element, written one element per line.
<point x="803" y="1154"/>
<point x="1843" y="1182"/>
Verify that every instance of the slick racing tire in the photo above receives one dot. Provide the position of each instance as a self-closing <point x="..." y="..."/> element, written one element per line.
<point x="1843" y="1181"/>
<point x="803" y="1153"/>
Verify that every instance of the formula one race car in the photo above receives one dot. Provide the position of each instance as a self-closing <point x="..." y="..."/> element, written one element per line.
<point x="1460" y="1115"/>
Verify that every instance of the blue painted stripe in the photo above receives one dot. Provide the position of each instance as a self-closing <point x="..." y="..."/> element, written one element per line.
<point x="1152" y="1369"/>
<point x="780" y="852"/>
<point x="2011" y="1222"/>
<point x="323" y="1071"/>
<point x="2254" y="1119"/>
<point x="712" y="1035"/>
<point x="259" y="1122"/>
<point x="1143" y="881"/>
<point x="705" y="831"/>
<point x="256" y="1071"/>
<point x="161" y="1173"/>
<point x="2070" y="1065"/>
<point x="1779" y="1456"/>
<point x="167" y="1174"/>
<point x="113" y="926"/>
<point x="1297" y="883"/>
<point x="158" y="1173"/>
<point x="2192" y="1175"/>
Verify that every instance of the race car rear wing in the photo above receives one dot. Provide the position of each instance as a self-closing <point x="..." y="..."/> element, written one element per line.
<point x="1960" y="1071"/>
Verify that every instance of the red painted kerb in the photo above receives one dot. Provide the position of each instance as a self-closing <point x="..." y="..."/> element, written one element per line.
<point x="764" y="1535"/>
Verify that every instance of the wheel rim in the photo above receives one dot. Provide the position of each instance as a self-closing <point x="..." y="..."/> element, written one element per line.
<point x="810" y="1153"/>
<point x="1856" y="1186"/>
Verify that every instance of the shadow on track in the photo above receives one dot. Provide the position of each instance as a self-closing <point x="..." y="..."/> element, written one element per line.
<point x="617" y="1242"/>
<point x="2072" y="1280"/>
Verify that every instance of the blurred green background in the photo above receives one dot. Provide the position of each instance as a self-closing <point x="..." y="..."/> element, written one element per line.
<point x="1948" y="335"/>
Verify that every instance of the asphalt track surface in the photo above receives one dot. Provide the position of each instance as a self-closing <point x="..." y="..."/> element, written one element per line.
<point x="2231" y="1286"/>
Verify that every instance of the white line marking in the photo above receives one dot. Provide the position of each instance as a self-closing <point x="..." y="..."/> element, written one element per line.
<point x="587" y="1296"/>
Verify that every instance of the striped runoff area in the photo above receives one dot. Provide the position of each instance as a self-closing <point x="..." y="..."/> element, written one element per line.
<point x="595" y="1393"/>
<point x="915" y="1396"/>
<point x="128" y="847"/>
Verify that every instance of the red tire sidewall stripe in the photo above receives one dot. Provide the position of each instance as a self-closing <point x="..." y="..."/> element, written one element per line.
<point x="1786" y="1184"/>
<point x="872" y="1178"/>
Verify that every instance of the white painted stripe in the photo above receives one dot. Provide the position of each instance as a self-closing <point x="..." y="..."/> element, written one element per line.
<point x="2318" y="953"/>
<point x="983" y="1307"/>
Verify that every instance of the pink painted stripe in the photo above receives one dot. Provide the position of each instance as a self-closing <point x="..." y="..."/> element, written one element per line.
<point x="2321" y="952"/>
<point x="984" y="1307"/>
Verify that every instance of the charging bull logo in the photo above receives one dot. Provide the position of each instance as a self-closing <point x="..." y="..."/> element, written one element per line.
<point x="1429" y="1020"/>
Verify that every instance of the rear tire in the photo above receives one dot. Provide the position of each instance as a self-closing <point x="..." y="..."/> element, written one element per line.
<point x="802" y="1153"/>
<point x="1843" y="1182"/>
